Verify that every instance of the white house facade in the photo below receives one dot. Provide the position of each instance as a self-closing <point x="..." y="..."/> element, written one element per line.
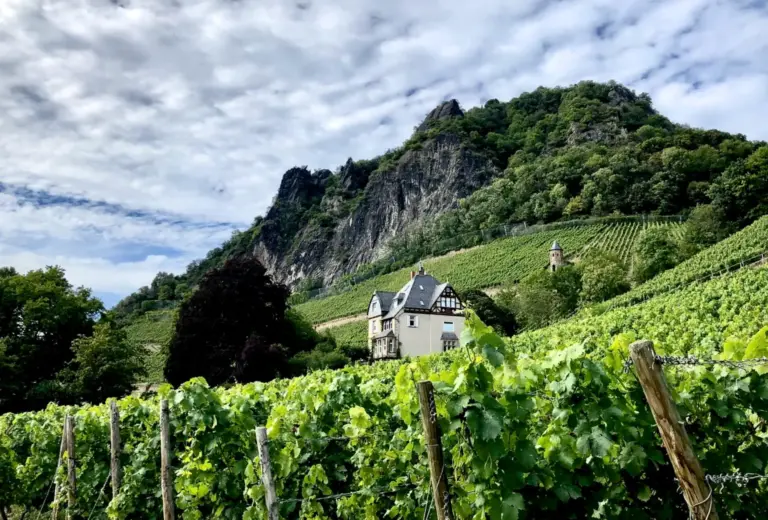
<point x="424" y="317"/>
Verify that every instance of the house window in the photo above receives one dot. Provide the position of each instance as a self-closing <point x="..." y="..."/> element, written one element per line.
<point x="448" y="326"/>
<point x="413" y="320"/>
<point x="374" y="306"/>
<point x="450" y="344"/>
<point x="387" y="325"/>
<point x="373" y="326"/>
<point x="391" y="346"/>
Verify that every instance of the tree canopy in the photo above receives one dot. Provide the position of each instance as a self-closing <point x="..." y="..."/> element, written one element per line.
<point x="41" y="315"/>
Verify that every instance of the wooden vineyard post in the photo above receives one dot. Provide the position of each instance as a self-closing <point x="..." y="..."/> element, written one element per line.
<point x="437" y="472"/>
<point x="270" y="495"/>
<point x="56" y="490"/>
<point x="690" y="475"/>
<point x="166" y="481"/>
<point x="69" y="424"/>
<point x="114" y="444"/>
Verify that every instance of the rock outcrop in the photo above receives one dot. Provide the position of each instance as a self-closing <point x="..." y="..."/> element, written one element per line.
<point x="445" y="110"/>
<point x="423" y="183"/>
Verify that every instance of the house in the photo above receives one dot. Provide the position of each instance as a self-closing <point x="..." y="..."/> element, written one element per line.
<point x="423" y="317"/>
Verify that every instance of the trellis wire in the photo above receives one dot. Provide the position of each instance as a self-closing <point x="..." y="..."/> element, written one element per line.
<point x="101" y="493"/>
<point x="39" y="513"/>
<point x="695" y="361"/>
<point x="741" y="479"/>
<point x="369" y="492"/>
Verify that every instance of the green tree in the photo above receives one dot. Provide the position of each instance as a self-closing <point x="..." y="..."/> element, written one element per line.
<point x="493" y="315"/>
<point x="237" y="326"/>
<point x="655" y="251"/>
<point x="105" y="365"/>
<point x="705" y="226"/>
<point x="603" y="276"/>
<point x="741" y="192"/>
<point x="544" y="296"/>
<point x="41" y="314"/>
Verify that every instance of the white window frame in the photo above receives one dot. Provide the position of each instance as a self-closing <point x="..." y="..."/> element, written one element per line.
<point x="413" y="320"/>
<point x="452" y="327"/>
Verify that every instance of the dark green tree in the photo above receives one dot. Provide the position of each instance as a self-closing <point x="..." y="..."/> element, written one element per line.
<point x="105" y="365"/>
<point x="233" y="328"/>
<point x="705" y="226"/>
<point x="741" y="192"/>
<point x="655" y="251"/>
<point x="603" y="276"/>
<point x="489" y="312"/>
<point x="41" y="314"/>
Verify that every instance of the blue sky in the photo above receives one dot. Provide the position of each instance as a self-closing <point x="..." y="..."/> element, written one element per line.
<point x="137" y="134"/>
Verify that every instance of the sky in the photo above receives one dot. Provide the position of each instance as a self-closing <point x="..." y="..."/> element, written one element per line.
<point x="135" y="135"/>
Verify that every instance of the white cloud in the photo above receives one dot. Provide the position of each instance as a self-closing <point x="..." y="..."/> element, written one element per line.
<point x="192" y="110"/>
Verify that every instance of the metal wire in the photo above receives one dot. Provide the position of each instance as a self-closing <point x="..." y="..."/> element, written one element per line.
<point x="39" y="513"/>
<point x="741" y="479"/>
<point x="101" y="493"/>
<point x="370" y="492"/>
<point x="695" y="361"/>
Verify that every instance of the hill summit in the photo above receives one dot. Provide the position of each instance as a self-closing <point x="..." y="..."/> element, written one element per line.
<point x="590" y="149"/>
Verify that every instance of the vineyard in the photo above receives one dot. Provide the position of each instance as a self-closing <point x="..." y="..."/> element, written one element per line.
<point x="496" y="263"/>
<point x="543" y="425"/>
<point x="745" y="247"/>
<point x="153" y="331"/>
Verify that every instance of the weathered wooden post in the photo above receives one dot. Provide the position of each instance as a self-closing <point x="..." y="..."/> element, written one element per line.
<point x="166" y="481"/>
<point x="57" y="488"/>
<point x="71" y="467"/>
<point x="270" y="496"/>
<point x="690" y="475"/>
<point x="114" y="444"/>
<point x="434" y="451"/>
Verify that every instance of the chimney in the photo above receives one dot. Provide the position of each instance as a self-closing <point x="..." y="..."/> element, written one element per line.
<point x="413" y="273"/>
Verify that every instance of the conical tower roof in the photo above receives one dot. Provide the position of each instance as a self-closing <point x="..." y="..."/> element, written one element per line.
<point x="556" y="246"/>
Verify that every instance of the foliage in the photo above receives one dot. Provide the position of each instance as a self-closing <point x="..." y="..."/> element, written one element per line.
<point x="741" y="192"/>
<point x="501" y="320"/>
<point x="704" y="227"/>
<point x="105" y="365"/>
<point x="235" y="327"/>
<point x="655" y="251"/>
<point x="543" y="296"/>
<point x="603" y="276"/>
<point x="541" y="425"/>
<point x="40" y="315"/>
<point x="746" y="246"/>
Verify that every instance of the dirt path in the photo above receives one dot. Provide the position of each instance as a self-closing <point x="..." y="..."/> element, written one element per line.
<point x="338" y="322"/>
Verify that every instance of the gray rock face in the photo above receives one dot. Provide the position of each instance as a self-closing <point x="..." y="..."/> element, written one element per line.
<point x="445" y="110"/>
<point x="424" y="183"/>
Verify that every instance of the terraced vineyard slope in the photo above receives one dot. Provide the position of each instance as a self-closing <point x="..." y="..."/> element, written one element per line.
<point x="153" y="331"/>
<point x="747" y="246"/>
<point x="496" y="263"/>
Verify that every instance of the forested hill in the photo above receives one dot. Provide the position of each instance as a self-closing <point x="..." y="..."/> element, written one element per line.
<point x="555" y="153"/>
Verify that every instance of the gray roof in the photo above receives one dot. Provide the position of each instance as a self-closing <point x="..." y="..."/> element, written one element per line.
<point x="421" y="292"/>
<point x="448" y="336"/>
<point x="556" y="247"/>
<point x="385" y="300"/>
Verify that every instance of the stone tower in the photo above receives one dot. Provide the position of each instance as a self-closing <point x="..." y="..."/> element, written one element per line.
<point x="556" y="257"/>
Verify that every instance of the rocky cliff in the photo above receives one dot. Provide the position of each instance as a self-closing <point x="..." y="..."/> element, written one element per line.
<point x="322" y="226"/>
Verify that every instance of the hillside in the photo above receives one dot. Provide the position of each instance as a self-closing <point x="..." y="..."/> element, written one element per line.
<point x="552" y="154"/>
<point x="497" y="263"/>
<point x="545" y="424"/>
